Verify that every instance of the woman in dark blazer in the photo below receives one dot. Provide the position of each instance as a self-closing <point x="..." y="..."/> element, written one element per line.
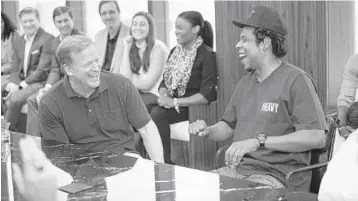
<point x="190" y="75"/>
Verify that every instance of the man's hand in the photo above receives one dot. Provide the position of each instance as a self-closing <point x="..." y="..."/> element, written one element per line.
<point x="165" y="101"/>
<point x="237" y="150"/>
<point x="42" y="91"/>
<point x="345" y="131"/>
<point x="37" y="180"/>
<point x="199" y="128"/>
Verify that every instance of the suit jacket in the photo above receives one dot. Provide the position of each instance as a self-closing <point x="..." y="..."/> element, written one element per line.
<point x="100" y="41"/>
<point x="57" y="72"/>
<point x="39" y="58"/>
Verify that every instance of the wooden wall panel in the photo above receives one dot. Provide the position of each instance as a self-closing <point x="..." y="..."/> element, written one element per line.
<point x="160" y="11"/>
<point x="11" y="9"/>
<point x="79" y="14"/>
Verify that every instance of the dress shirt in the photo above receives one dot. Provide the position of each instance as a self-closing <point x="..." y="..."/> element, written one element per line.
<point x="111" y="46"/>
<point x="28" y="45"/>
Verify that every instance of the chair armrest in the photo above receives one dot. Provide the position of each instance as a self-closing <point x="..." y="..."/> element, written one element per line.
<point x="304" y="169"/>
<point x="220" y="156"/>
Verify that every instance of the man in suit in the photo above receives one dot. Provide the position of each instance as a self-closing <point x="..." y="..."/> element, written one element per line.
<point x="109" y="41"/>
<point x="63" y="20"/>
<point x="31" y="58"/>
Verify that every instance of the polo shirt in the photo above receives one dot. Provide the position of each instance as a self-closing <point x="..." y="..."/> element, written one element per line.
<point x="285" y="102"/>
<point x="111" y="46"/>
<point x="103" y="121"/>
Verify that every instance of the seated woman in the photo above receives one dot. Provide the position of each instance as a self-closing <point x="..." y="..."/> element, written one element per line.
<point x="190" y="75"/>
<point x="8" y="33"/>
<point x="144" y="58"/>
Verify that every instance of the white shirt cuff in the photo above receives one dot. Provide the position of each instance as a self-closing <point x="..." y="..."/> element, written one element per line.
<point x="23" y="84"/>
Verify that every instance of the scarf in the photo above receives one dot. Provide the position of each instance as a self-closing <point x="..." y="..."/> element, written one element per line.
<point x="178" y="68"/>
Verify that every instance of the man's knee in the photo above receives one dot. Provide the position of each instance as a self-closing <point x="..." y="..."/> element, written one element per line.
<point x="15" y="101"/>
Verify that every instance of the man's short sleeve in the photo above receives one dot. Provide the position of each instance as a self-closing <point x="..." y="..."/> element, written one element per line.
<point x="307" y="113"/>
<point x="230" y="114"/>
<point x="137" y="113"/>
<point x="50" y="123"/>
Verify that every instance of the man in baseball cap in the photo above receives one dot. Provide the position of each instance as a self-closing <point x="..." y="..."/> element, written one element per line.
<point x="263" y="17"/>
<point x="274" y="115"/>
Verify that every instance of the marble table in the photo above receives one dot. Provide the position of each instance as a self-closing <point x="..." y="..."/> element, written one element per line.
<point x="121" y="177"/>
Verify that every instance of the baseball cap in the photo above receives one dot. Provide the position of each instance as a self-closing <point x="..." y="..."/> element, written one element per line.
<point x="263" y="17"/>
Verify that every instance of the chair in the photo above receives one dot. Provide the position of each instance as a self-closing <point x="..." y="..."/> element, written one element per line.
<point x="319" y="158"/>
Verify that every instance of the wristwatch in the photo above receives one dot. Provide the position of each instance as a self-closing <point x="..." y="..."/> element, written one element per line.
<point x="261" y="137"/>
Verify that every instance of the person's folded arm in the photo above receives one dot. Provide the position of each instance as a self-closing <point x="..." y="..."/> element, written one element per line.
<point x="147" y="81"/>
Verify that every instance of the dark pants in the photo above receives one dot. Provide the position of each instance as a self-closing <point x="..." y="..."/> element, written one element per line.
<point x="16" y="101"/>
<point x="163" y="117"/>
<point x="33" y="122"/>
